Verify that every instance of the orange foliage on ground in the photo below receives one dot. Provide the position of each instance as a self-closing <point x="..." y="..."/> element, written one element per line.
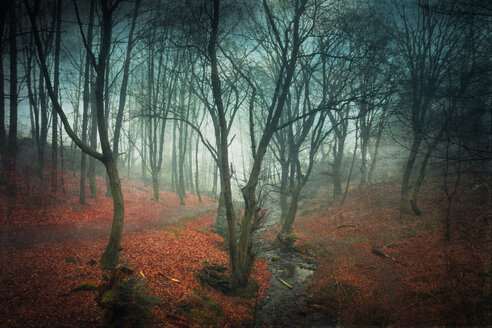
<point x="45" y="253"/>
<point x="417" y="278"/>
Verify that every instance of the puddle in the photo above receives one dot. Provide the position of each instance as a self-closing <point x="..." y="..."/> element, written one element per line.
<point x="302" y="274"/>
<point x="295" y="272"/>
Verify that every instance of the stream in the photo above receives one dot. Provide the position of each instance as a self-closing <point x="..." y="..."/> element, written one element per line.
<point x="285" y="306"/>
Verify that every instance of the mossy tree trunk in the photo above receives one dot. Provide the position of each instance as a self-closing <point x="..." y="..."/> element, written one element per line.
<point x="110" y="257"/>
<point x="407" y="172"/>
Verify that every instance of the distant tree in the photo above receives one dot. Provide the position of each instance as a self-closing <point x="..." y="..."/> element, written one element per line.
<point x="4" y="7"/>
<point x="155" y="109"/>
<point x="86" y="102"/>
<point x="426" y="43"/>
<point x="11" y="160"/>
<point x="56" y="90"/>
<point x="125" y="78"/>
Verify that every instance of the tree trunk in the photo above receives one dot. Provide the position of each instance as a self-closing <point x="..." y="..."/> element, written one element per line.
<point x="287" y="230"/>
<point x="107" y="102"/>
<point x="215" y="174"/>
<point x="190" y="165"/>
<point x="12" y="146"/>
<point x="124" y="82"/>
<point x="407" y="172"/>
<point x="337" y="177"/>
<point x="174" y="166"/>
<point x="420" y="179"/>
<point x="110" y="257"/>
<point x="93" y="144"/>
<point x="376" y="147"/>
<point x="54" y="116"/>
<point x="351" y="166"/>
<point x="62" y="162"/>
<point x="220" y="223"/>
<point x="197" y="179"/>
<point x="284" y="193"/>
<point x="43" y="134"/>
<point x="155" y="186"/>
<point x="363" y="150"/>
<point x="236" y="278"/>
<point x="3" y="133"/>
<point x="85" y="106"/>
<point x="144" y="154"/>
<point x="181" y="157"/>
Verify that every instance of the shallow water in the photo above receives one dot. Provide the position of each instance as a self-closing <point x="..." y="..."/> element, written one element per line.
<point x="284" y="306"/>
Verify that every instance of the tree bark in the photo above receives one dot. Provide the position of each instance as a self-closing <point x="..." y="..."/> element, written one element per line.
<point x="111" y="255"/>
<point x="407" y="172"/>
<point x="197" y="179"/>
<point x="124" y="82"/>
<point x="12" y="144"/>
<point x="376" y="146"/>
<point x="222" y="147"/>
<point x="56" y="84"/>
<point x="93" y="143"/>
<point x="4" y="6"/>
<point x="420" y="178"/>
<point x="284" y="192"/>
<point x="190" y="165"/>
<point x="85" y="105"/>
<point x="287" y="230"/>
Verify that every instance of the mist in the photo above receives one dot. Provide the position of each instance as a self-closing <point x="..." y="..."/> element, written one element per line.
<point x="245" y="163"/>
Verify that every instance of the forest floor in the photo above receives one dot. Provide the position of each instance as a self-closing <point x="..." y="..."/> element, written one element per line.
<point x="375" y="268"/>
<point x="353" y="264"/>
<point x="50" y="244"/>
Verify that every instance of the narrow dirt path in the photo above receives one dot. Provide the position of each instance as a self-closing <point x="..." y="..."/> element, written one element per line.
<point x="61" y="233"/>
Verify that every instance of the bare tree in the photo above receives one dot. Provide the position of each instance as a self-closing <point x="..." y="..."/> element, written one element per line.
<point x="4" y="7"/>
<point x="110" y="256"/>
<point x="426" y="42"/>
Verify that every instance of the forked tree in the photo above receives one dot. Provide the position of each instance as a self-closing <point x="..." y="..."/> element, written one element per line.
<point x="110" y="257"/>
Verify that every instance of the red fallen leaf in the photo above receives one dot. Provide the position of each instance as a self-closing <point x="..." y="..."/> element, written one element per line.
<point x="179" y="251"/>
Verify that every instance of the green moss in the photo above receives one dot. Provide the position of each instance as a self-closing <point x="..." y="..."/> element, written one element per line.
<point x="84" y="286"/>
<point x="107" y="297"/>
<point x="204" y="309"/>
<point x="175" y="233"/>
<point x="104" y="317"/>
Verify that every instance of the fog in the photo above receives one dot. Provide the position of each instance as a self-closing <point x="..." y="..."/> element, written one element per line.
<point x="315" y="157"/>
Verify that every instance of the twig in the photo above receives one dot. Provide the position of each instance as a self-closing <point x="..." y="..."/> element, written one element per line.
<point x="286" y="284"/>
<point x="172" y="279"/>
